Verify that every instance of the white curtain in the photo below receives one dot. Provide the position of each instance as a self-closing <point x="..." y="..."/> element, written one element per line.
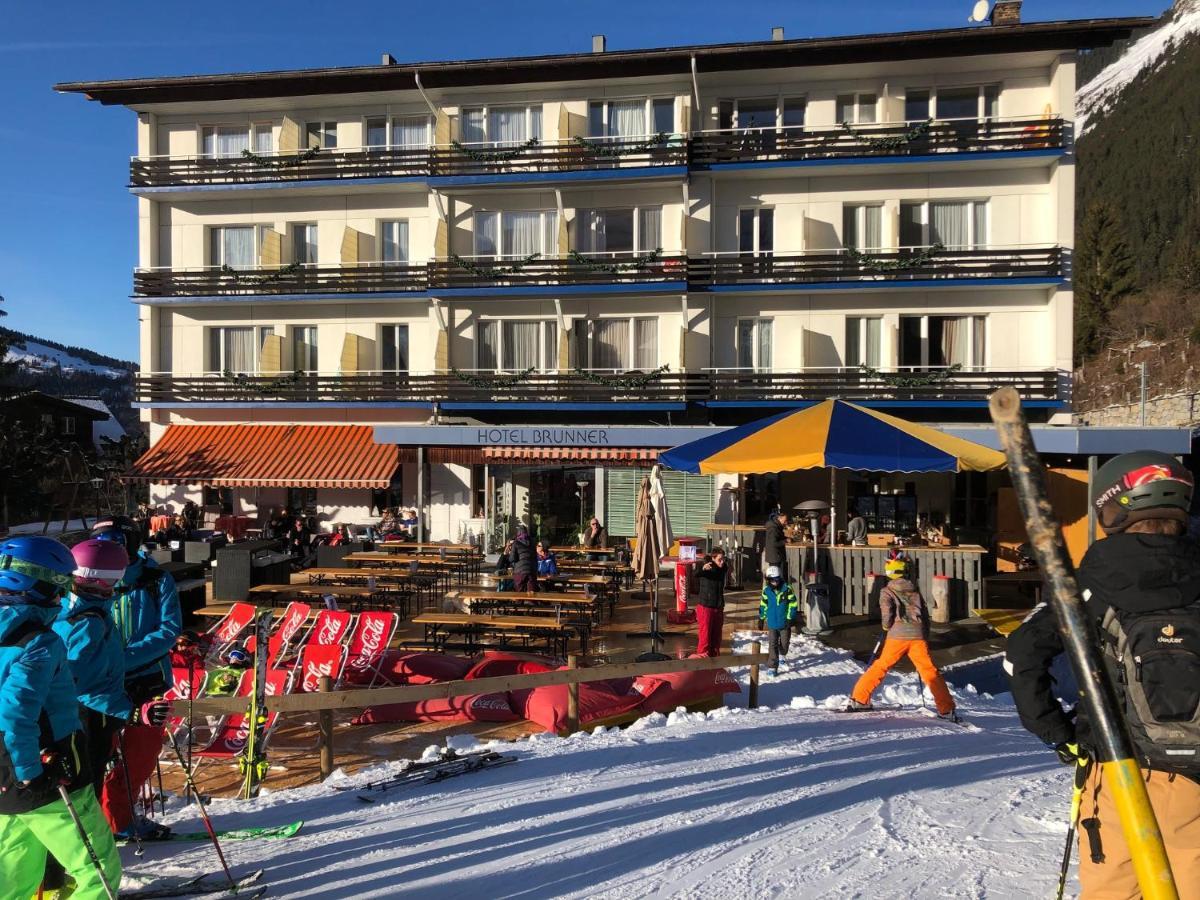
<point x="874" y="335"/>
<point x="550" y="233"/>
<point x="948" y="224"/>
<point x="765" y="329"/>
<point x="520" y="345"/>
<point x="610" y="344"/>
<point x="549" y="347"/>
<point x="535" y="122"/>
<point x="239" y="349"/>
<point x="979" y="341"/>
<point x="645" y="344"/>
<point x="228" y="140"/>
<point x="522" y="234"/>
<point x="411" y="131"/>
<point x="264" y="139"/>
<point x="233" y="247"/>
<point x="980" y="237"/>
<point x="395" y="241"/>
<point x="649" y="228"/>
<point x="472" y="126"/>
<point x="955" y="334"/>
<point x="488" y="335"/>
<point x="873" y="228"/>
<point x="589" y="230"/>
<point x="487" y="233"/>
<point x="627" y="118"/>
<point x="506" y="126"/>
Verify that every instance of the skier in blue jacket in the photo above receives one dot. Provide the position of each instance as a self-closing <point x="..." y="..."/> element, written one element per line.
<point x="41" y="746"/>
<point x="148" y="618"/>
<point x="778" y="609"/>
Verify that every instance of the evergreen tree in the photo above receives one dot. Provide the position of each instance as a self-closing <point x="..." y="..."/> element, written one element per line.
<point x="1104" y="273"/>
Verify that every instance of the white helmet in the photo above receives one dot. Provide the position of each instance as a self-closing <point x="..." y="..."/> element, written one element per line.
<point x="773" y="572"/>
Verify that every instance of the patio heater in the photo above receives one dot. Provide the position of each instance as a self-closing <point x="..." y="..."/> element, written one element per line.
<point x="816" y="593"/>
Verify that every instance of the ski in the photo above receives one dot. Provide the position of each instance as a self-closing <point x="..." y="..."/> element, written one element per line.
<point x="253" y="762"/>
<point x="915" y="710"/>
<point x="409" y="771"/>
<point x="209" y="883"/>
<point x="451" y="769"/>
<point x="268" y="832"/>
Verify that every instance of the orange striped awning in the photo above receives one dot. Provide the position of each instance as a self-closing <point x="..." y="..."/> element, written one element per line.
<point x="314" y="456"/>
<point x="628" y="456"/>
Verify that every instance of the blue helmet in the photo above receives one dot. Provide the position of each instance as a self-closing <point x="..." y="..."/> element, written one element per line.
<point x="36" y="568"/>
<point x="120" y="530"/>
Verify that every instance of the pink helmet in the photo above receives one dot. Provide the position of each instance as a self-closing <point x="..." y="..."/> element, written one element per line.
<point x="99" y="566"/>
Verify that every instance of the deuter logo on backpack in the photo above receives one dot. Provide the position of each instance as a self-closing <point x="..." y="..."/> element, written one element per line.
<point x="1168" y="635"/>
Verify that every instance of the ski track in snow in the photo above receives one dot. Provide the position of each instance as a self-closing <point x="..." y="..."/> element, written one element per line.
<point x="790" y="800"/>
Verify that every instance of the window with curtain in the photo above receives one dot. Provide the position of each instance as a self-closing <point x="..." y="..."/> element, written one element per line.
<point x="322" y="135"/>
<point x="754" y="344"/>
<point x="618" y="231"/>
<point x="515" y="234"/>
<point x="943" y="341"/>
<point x="264" y="137"/>
<point x="649" y="236"/>
<point x="627" y="118"/>
<point x="376" y="133"/>
<point x="304" y="348"/>
<point x="862" y="226"/>
<point x="513" y="345"/>
<point x="410" y="132"/>
<point x="224" y="140"/>
<point x="506" y="126"/>
<point x="645" y="344"/>
<point x="393" y="348"/>
<point x="863" y="335"/>
<point x="959" y="224"/>
<point x="520" y="345"/>
<point x="233" y="245"/>
<point x="610" y="344"/>
<point x="394" y="239"/>
<point x="631" y="118"/>
<point x="304" y="244"/>
<point x="487" y="345"/>
<point x="471" y="127"/>
<point x="948" y="224"/>
<point x="856" y="108"/>
<point x="232" y="350"/>
<point x="487" y="234"/>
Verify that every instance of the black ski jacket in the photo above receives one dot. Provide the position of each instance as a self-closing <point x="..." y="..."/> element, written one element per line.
<point x="710" y="584"/>
<point x="1130" y="572"/>
<point x="775" y="542"/>
<point x="521" y="557"/>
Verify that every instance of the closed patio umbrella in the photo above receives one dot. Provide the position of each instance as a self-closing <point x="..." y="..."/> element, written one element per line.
<point x="662" y="516"/>
<point x="646" y="557"/>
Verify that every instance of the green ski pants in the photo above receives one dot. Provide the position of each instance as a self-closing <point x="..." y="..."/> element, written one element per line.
<point x="25" y="838"/>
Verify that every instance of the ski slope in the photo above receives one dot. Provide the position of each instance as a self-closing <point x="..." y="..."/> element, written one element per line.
<point x="36" y="356"/>
<point x="789" y="800"/>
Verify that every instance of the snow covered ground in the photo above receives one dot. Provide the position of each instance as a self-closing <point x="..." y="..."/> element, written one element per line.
<point x="790" y="800"/>
<point x="34" y="355"/>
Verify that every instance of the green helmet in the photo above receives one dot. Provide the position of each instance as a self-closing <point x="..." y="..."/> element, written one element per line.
<point x="1144" y="484"/>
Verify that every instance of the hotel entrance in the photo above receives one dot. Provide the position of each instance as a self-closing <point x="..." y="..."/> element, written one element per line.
<point x="555" y="501"/>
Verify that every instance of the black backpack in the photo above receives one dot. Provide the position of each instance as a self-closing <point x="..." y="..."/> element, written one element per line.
<point x="1154" y="661"/>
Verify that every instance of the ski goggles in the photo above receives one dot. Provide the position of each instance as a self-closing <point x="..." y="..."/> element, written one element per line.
<point x="36" y="572"/>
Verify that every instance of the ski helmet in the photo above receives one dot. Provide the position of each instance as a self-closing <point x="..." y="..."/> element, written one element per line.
<point x="120" y="530"/>
<point x="99" y="566"/>
<point x="773" y="574"/>
<point x="238" y="658"/>
<point x="896" y="568"/>
<point x="1145" y="484"/>
<point x="37" y="568"/>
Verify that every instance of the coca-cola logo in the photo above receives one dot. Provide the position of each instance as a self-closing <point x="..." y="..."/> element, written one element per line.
<point x="291" y="625"/>
<point x="331" y="630"/>
<point x="312" y="675"/>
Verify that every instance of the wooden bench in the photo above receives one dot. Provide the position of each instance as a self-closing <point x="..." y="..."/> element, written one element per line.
<point x="355" y="597"/>
<point x="440" y="627"/>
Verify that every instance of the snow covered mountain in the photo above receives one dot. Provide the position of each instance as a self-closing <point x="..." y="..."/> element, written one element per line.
<point x="1100" y="93"/>
<point x="34" y="355"/>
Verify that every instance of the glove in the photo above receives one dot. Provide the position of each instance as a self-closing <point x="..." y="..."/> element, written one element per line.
<point x="1070" y="753"/>
<point x="154" y="713"/>
<point x="57" y="768"/>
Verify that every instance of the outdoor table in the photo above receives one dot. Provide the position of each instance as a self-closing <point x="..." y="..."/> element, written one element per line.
<point x="386" y="581"/>
<point x="614" y="571"/>
<point x="598" y="551"/>
<point x="446" y="570"/>
<point x="439" y="627"/>
<point x="517" y="601"/>
<point x="278" y="593"/>
<point x="605" y="589"/>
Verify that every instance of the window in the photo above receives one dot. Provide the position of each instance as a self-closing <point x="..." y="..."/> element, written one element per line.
<point x="619" y="231"/>
<point x="393" y="238"/>
<point x="264" y="332"/>
<point x="856" y="109"/>
<point x="224" y="140"/>
<point x="756" y="230"/>
<point x="752" y="114"/>
<point x="393" y="348"/>
<point x="232" y="349"/>
<point x="957" y="103"/>
<point x="516" y="234"/>
<point x="233" y="246"/>
<point x="304" y="348"/>
<point x="942" y="341"/>
<point x="862" y="226"/>
<point x="956" y="224"/>
<point x="410" y="131"/>
<point x="68" y="424"/>
<point x="220" y="497"/>
<point x="501" y="126"/>
<point x="478" y="491"/>
<point x="304" y="244"/>
<point x="302" y="500"/>
<point x="512" y="345"/>
<point x="617" y="344"/>
<point x="862" y="341"/>
<point x="264" y="137"/>
<point x="322" y="134"/>
<point x="754" y="344"/>
<point x="794" y="111"/>
<point x="634" y="118"/>
<point x="916" y="105"/>
<point x="976" y="101"/>
<point x="376" y="133"/>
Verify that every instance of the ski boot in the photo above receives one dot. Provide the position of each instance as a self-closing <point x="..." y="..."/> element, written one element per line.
<point x="853" y="705"/>
<point x="144" y="829"/>
<point x="951" y="716"/>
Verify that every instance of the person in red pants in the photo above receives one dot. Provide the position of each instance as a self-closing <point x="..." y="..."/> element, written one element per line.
<point x="148" y="618"/>
<point x="710" y="604"/>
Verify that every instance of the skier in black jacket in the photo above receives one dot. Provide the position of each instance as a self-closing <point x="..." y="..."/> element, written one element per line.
<point x="775" y="544"/>
<point x="522" y="561"/>
<point x="1145" y="567"/>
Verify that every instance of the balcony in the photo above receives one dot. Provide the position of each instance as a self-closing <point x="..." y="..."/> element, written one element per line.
<point x="728" y="388"/>
<point x="223" y="281"/>
<point x="575" y="270"/>
<point x="924" y="265"/>
<point x="549" y="160"/>
<point x="887" y="140"/>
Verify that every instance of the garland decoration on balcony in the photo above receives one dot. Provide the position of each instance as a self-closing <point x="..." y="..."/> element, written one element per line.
<point x="622" y="383"/>
<point x="493" y="271"/>
<point x="895" y="141"/>
<point x="932" y="379"/>
<point x="638" y="263"/>
<point x="279" y="162"/>
<point x="494" y="382"/>
<point x="260" y="280"/>
<point x="895" y="265"/>
<point x="243" y="380"/>
<point x="604" y="148"/>
<point x="498" y="154"/>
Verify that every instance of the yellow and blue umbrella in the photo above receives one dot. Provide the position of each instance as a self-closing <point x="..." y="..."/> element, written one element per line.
<point x="833" y="434"/>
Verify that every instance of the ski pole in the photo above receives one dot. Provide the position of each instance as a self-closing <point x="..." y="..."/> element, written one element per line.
<point x="208" y="825"/>
<point x="139" y="850"/>
<point x="1082" y="767"/>
<point x="1113" y="750"/>
<point x="87" y="841"/>
<point x="162" y="798"/>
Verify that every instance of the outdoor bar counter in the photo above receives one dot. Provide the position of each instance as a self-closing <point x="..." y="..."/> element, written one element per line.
<point x="845" y="568"/>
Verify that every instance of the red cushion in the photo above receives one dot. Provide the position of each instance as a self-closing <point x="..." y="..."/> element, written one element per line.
<point x="472" y="708"/>
<point x="424" y="668"/>
<point x="489" y="668"/>
<point x="663" y="693"/>
<point x="547" y="706"/>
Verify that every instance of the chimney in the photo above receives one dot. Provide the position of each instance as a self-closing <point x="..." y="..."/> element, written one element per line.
<point x="777" y="33"/>
<point x="387" y="60"/>
<point x="1006" y="12"/>
<point x="599" y="43"/>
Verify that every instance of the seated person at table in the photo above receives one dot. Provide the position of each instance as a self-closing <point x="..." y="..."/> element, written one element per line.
<point x="191" y="516"/>
<point x="299" y="541"/>
<point x="519" y="556"/>
<point x="547" y="562"/>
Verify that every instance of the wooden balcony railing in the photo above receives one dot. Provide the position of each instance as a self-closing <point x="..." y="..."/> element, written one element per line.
<point x="574" y="269"/>
<point x="701" y="150"/>
<point x="909" y="264"/>
<point x="890" y="139"/>
<point x="361" y="278"/>
<point x="687" y="387"/>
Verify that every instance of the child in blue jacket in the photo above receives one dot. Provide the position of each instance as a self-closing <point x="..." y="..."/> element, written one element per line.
<point x="778" y="609"/>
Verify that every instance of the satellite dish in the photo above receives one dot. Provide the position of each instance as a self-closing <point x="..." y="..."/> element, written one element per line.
<point x="979" y="11"/>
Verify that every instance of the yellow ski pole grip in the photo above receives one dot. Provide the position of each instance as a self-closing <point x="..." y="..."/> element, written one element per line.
<point x="1141" y="829"/>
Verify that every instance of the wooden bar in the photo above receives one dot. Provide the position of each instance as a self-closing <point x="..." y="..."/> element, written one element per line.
<point x="752" y="695"/>
<point x="572" y="697"/>
<point x="325" y="721"/>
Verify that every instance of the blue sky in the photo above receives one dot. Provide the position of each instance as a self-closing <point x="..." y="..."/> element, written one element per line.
<point x="67" y="233"/>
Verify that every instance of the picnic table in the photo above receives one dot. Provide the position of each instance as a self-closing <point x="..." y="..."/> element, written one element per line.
<point x="355" y="596"/>
<point x="386" y="581"/>
<point x="616" y="572"/>
<point x="469" y="553"/>
<point x="598" y="551"/>
<point x="605" y="588"/>
<point x="517" y="602"/>
<point x="445" y="570"/>
<point x="441" y="627"/>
